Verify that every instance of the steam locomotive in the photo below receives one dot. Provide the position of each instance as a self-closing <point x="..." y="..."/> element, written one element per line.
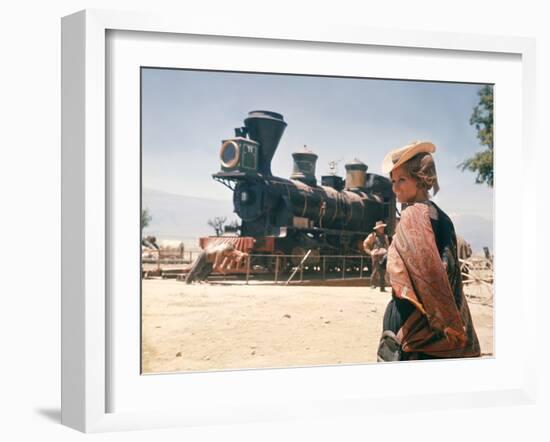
<point x="292" y="216"/>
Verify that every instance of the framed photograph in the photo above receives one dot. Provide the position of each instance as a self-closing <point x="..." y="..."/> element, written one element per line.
<point x="219" y="190"/>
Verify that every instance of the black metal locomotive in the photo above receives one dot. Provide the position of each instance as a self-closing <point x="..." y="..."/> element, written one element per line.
<point x="292" y="216"/>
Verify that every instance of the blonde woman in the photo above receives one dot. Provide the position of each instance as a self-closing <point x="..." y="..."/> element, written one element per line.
<point x="428" y="316"/>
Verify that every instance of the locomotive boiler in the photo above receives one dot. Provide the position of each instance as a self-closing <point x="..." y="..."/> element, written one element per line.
<point x="299" y="214"/>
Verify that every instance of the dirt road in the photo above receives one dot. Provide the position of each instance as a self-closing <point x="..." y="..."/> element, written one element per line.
<point x="217" y="327"/>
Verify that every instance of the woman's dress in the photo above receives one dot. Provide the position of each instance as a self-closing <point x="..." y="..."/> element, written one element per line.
<point x="427" y="296"/>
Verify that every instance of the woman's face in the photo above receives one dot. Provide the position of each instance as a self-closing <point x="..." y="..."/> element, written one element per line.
<point x="403" y="185"/>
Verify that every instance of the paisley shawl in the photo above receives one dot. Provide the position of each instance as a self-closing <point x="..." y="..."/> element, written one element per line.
<point x="418" y="274"/>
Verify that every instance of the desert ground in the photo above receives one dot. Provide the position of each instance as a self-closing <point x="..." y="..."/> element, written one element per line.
<point x="204" y="327"/>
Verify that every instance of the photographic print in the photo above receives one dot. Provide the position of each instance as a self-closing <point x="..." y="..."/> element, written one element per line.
<point x="296" y="220"/>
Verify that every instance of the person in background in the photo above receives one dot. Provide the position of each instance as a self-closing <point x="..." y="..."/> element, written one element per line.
<point x="376" y="245"/>
<point x="464" y="252"/>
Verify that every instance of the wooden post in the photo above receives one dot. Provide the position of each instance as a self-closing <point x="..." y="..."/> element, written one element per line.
<point x="344" y="267"/>
<point x="324" y="267"/>
<point x="247" y="268"/>
<point x="276" y="268"/>
<point x="361" y="269"/>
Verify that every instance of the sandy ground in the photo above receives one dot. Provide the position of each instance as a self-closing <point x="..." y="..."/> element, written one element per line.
<point x="216" y="327"/>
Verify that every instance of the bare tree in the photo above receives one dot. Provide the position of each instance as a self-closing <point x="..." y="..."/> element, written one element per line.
<point x="217" y="224"/>
<point x="145" y="218"/>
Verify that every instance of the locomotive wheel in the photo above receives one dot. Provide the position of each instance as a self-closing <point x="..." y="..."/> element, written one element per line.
<point x="298" y="253"/>
<point x="284" y="263"/>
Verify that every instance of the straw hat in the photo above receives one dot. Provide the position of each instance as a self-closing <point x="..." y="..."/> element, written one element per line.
<point x="379" y="224"/>
<point x="397" y="157"/>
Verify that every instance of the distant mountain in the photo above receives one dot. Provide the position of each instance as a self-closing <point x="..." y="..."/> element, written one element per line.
<point x="476" y="230"/>
<point x="182" y="217"/>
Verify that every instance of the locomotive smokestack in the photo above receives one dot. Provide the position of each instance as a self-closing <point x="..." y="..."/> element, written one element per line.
<point x="304" y="167"/>
<point x="356" y="174"/>
<point x="266" y="128"/>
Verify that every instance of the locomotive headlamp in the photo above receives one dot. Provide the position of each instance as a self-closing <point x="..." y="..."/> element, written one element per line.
<point x="239" y="155"/>
<point x="230" y="153"/>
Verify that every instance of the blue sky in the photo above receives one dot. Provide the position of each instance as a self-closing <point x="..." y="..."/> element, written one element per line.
<point x="186" y="114"/>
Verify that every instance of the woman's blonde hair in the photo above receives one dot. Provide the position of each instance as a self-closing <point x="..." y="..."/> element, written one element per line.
<point x="421" y="168"/>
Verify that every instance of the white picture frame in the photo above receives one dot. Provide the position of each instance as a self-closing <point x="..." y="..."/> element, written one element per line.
<point x="87" y="209"/>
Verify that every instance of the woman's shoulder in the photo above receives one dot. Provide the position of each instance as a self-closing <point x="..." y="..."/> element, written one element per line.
<point x="427" y="207"/>
<point x="415" y="210"/>
<point x="414" y="216"/>
<point x="425" y="210"/>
